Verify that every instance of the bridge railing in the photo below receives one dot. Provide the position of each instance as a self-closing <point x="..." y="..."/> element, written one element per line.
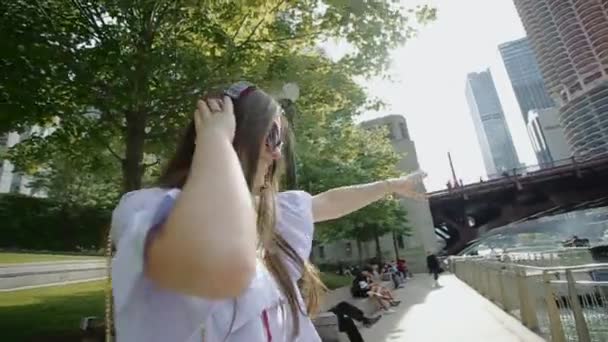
<point x="563" y="164"/>
<point x="561" y="303"/>
<point x="533" y="168"/>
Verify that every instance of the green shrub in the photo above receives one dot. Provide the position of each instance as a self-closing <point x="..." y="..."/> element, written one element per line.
<point x="31" y="223"/>
<point x="334" y="281"/>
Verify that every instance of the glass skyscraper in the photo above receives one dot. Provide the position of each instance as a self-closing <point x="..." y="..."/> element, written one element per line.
<point x="528" y="85"/>
<point x="570" y="39"/>
<point x="525" y="76"/>
<point x="493" y="134"/>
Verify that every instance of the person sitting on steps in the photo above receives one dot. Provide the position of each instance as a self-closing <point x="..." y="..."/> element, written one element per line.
<point x="364" y="287"/>
<point x="347" y="314"/>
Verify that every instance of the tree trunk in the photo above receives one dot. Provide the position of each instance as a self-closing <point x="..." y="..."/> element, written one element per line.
<point x="396" y="246"/>
<point x="360" y="251"/>
<point x="378" y="249"/>
<point x="291" y="179"/>
<point x="132" y="168"/>
<point x="137" y="116"/>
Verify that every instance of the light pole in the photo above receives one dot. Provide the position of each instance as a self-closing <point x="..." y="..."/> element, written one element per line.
<point x="289" y="95"/>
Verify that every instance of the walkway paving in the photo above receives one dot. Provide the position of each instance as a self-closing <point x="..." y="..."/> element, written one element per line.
<point x="21" y="276"/>
<point x="451" y="313"/>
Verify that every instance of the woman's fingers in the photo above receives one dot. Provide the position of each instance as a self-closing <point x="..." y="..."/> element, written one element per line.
<point x="201" y="114"/>
<point x="203" y="109"/>
<point x="228" y="106"/>
<point x="214" y="105"/>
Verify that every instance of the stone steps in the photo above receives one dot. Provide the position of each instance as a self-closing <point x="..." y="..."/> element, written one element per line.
<point x="326" y="322"/>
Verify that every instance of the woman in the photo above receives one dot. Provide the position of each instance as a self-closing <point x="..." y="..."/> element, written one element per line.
<point x="377" y="290"/>
<point x="214" y="253"/>
<point x="403" y="268"/>
<point x="390" y="271"/>
<point x="364" y="287"/>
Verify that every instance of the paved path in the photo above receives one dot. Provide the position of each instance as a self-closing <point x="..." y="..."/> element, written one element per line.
<point x="22" y="276"/>
<point x="54" y="262"/>
<point x="452" y="313"/>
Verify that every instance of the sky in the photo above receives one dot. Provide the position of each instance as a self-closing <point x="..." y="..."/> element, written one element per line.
<point x="428" y="88"/>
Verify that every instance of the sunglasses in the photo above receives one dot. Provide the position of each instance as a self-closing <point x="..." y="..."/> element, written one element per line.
<point x="241" y="89"/>
<point x="273" y="138"/>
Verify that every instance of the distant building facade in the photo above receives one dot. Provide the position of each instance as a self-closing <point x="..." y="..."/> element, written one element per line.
<point x="547" y="136"/>
<point x="491" y="128"/>
<point x="12" y="181"/>
<point x="423" y="238"/>
<point x="570" y="41"/>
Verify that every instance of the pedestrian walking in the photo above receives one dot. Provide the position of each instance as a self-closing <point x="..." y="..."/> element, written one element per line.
<point x="432" y="263"/>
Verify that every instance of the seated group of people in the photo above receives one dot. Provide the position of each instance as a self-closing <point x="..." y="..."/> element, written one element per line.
<point x="397" y="272"/>
<point x="364" y="286"/>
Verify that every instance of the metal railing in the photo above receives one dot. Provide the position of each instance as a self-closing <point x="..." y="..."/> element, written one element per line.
<point x="561" y="303"/>
<point x="559" y="166"/>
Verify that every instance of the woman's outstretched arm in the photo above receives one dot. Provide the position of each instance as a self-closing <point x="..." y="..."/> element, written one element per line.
<point x="338" y="202"/>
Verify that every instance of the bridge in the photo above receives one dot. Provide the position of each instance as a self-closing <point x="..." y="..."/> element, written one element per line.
<point x="462" y="213"/>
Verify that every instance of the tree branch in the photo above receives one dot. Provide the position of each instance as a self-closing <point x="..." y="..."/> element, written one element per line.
<point x="282" y="39"/>
<point x="158" y="15"/>
<point x="255" y="28"/>
<point x="109" y="148"/>
<point x="51" y="22"/>
<point x="156" y="162"/>
<point x="91" y="18"/>
<point x="238" y="30"/>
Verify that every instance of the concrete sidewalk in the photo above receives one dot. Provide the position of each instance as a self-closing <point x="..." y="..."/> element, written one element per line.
<point x="21" y="276"/>
<point x="451" y="313"/>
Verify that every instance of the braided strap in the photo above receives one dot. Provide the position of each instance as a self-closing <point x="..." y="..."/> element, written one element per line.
<point x="108" y="290"/>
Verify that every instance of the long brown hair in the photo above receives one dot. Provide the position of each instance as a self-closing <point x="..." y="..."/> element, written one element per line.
<point x="254" y="114"/>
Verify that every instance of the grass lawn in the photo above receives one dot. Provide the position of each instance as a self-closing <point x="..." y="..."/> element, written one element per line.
<point x="19" y="258"/>
<point x="49" y="311"/>
<point x="334" y="281"/>
<point x="30" y="315"/>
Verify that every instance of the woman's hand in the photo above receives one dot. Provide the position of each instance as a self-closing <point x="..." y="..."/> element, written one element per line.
<point x="337" y="202"/>
<point x="215" y="202"/>
<point x="406" y="186"/>
<point x="215" y="115"/>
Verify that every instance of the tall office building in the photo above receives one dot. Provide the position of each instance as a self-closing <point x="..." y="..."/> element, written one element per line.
<point x="525" y="76"/>
<point x="493" y="134"/>
<point x="570" y="39"/>
<point x="528" y="85"/>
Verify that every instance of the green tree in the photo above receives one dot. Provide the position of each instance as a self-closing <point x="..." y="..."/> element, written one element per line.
<point x="140" y="64"/>
<point x="341" y="153"/>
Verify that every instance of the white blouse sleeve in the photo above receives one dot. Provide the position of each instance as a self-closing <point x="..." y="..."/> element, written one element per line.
<point x="142" y="309"/>
<point x="296" y="225"/>
<point x="134" y="221"/>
